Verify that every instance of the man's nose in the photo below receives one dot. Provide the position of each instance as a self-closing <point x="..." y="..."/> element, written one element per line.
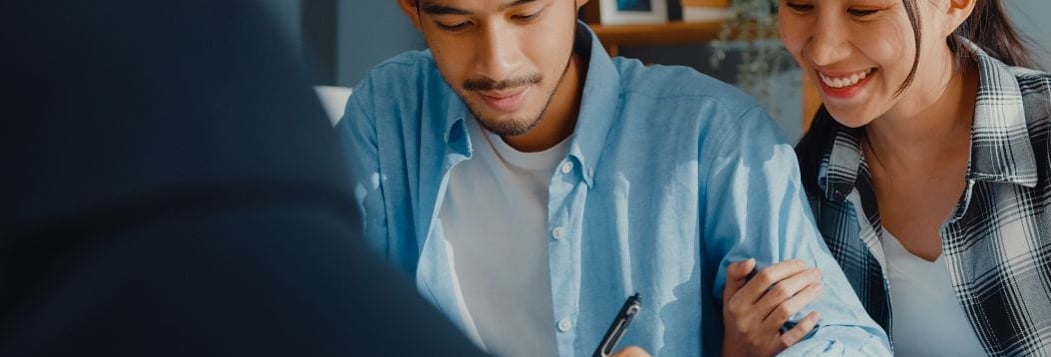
<point x="499" y="52"/>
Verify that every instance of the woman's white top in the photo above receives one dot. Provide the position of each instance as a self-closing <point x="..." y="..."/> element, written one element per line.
<point x="927" y="318"/>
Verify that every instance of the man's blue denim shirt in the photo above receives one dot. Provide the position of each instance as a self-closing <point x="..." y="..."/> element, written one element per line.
<point x="670" y="176"/>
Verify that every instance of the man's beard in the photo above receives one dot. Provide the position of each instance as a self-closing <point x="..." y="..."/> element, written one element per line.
<point x="514" y="126"/>
<point x="508" y="126"/>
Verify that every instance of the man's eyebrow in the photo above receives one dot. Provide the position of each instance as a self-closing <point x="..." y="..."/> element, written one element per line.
<point x="516" y="3"/>
<point x="431" y="8"/>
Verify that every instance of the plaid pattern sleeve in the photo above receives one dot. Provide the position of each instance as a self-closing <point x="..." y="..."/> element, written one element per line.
<point x="997" y="243"/>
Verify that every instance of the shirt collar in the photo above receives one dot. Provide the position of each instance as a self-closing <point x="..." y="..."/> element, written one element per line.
<point x="1000" y="147"/>
<point x="598" y="107"/>
<point x="455" y="134"/>
<point x="1001" y="150"/>
<point x="839" y="174"/>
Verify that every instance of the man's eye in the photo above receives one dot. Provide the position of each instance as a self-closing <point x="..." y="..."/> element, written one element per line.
<point x="527" y="17"/>
<point x="800" y="7"/>
<point x="453" y="28"/>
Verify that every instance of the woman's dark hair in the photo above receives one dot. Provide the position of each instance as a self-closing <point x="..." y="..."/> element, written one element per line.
<point x="988" y="27"/>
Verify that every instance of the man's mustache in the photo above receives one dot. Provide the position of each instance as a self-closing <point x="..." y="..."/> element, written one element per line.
<point x="482" y="84"/>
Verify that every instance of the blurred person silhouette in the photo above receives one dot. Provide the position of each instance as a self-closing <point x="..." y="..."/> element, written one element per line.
<point x="172" y="187"/>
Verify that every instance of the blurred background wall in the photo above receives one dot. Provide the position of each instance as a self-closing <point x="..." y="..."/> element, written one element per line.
<point x="343" y="39"/>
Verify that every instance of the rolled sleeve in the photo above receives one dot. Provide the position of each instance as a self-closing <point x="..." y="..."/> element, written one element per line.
<point x="758" y="209"/>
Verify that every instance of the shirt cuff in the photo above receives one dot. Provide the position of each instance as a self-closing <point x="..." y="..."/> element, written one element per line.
<point x="840" y="341"/>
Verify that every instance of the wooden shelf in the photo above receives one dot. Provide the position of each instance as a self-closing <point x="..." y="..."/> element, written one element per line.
<point x="811" y="102"/>
<point x="670" y="33"/>
<point x="682" y="33"/>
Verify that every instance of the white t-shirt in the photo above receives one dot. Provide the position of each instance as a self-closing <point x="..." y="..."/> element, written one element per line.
<point x="494" y="217"/>
<point x="928" y="319"/>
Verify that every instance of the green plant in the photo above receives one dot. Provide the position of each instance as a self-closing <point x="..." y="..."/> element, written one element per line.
<point x="752" y="32"/>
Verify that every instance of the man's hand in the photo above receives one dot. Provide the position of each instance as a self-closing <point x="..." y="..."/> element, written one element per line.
<point x="754" y="310"/>
<point x="632" y="351"/>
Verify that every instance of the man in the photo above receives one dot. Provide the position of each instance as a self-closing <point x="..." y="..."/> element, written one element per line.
<point x="529" y="183"/>
<point x="173" y="188"/>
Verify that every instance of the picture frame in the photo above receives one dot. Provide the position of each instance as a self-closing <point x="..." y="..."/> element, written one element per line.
<point x="623" y="12"/>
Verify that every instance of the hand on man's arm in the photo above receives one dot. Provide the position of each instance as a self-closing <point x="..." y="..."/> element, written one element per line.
<point x="754" y="310"/>
<point x="756" y="208"/>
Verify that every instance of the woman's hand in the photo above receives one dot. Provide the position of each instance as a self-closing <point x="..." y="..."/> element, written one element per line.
<point x="754" y="310"/>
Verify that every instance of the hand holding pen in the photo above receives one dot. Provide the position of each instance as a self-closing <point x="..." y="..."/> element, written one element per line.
<point x="618" y="328"/>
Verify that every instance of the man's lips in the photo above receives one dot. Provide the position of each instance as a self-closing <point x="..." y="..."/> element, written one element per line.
<point x="505" y="100"/>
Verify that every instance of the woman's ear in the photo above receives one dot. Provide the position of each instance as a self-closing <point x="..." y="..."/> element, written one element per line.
<point x="958" y="12"/>
<point x="411" y="9"/>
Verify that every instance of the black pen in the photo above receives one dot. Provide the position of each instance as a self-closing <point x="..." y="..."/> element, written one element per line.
<point x="620" y="325"/>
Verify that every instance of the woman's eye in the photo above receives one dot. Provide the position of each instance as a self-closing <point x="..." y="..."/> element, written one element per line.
<point x="861" y="12"/>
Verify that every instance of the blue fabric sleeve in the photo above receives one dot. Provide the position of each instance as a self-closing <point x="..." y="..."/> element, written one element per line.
<point x="756" y="208"/>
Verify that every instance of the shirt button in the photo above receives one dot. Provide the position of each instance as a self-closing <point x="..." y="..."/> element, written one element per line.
<point x="558" y="232"/>
<point x="567" y="167"/>
<point x="564" y="325"/>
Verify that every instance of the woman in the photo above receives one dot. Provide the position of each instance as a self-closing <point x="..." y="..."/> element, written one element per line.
<point x="928" y="171"/>
<point x="928" y="168"/>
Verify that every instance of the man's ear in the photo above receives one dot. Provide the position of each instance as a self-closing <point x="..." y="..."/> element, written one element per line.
<point x="958" y="12"/>
<point x="581" y="3"/>
<point x="411" y="9"/>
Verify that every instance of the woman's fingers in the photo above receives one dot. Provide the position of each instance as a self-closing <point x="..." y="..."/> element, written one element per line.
<point x="801" y="329"/>
<point x="784" y="311"/>
<point x="764" y="279"/>
<point x="756" y="308"/>
<point x="736" y="276"/>
<point x="787" y="288"/>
